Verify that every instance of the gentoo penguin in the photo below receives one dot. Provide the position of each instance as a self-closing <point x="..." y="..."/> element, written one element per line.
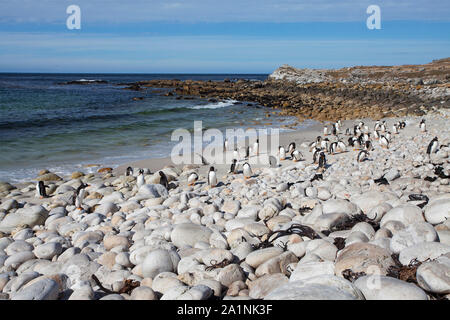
<point x="247" y="152"/>
<point x="316" y="154"/>
<point x="324" y="144"/>
<point x="384" y="142"/>
<point x="291" y="147"/>
<point x="388" y="135"/>
<point x="296" y="155"/>
<point x="256" y="147"/>
<point x="163" y="180"/>
<point x="235" y="153"/>
<point x="356" y="131"/>
<point x="395" y="128"/>
<point x="423" y="127"/>
<point x="193" y="177"/>
<point x="212" y="179"/>
<point x="347" y="132"/>
<point x="368" y="146"/>
<point x="366" y="136"/>
<point x="361" y="124"/>
<point x="225" y="144"/>
<point x="325" y="130"/>
<point x="376" y="135"/>
<point x="334" y="130"/>
<point x="433" y="146"/>
<point x="40" y="190"/>
<point x="383" y="127"/>
<point x="315" y="144"/>
<point x="341" y="146"/>
<point x="233" y="168"/>
<point x="362" y="155"/>
<point x="322" y="160"/>
<point x="247" y="170"/>
<point x="80" y="193"/>
<point x="376" y="127"/>
<point x="282" y="152"/>
<point x="333" y="147"/>
<point x="129" y="171"/>
<point x="402" y="125"/>
<point x="140" y="179"/>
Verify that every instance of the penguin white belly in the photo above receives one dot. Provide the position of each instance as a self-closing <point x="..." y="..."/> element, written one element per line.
<point x="212" y="179"/>
<point x="140" y="181"/>
<point x="247" y="171"/>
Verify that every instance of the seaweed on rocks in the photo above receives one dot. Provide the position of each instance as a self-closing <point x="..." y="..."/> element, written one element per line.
<point x="419" y="197"/>
<point x="339" y="243"/>
<point x="299" y="229"/>
<point x="381" y="180"/>
<point x="215" y="264"/>
<point x="352" y="276"/>
<point x="349" y="222"/>
<point x="303" y="210"/>
<point x="128" y="287"/>
<point x="405" y="273"/>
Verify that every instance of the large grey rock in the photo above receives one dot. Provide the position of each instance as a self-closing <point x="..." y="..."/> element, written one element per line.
<point x="42" y="289"/>
<point x="377" y="287"/>
<point x="158" y="261"/>
<point x="339" y="206"/>
<point x="149" y="191"/>
<point x="413" y="234"/>
<point x="30" y="216"/>
<point x="406" y="214"/>
<point x="434" y="275"/>
<point x="437" y="211"/>
<point x="48" y="250"/>
<point x="422" y="252"/>
<point x="312" y="269"/>
<point x="188" y="234"/>
<point x="302" y="290"/>
<point x="371" y="199"/>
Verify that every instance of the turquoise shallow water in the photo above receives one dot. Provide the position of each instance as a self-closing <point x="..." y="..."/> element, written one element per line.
<point x="44" y="124"/>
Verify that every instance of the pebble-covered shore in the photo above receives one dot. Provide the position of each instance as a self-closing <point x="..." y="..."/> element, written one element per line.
<point x="276" y="235"/>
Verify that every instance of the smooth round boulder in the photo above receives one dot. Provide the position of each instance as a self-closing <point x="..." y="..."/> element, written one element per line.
<point x="188" y="234"/>
<point x="377" y="287"/>
<point x="158" y="261"/>
<point x="48" y="250"/>
<point x="406" y="214"/>
<point x="438" y="211"/>
<point x="413" y="234"/>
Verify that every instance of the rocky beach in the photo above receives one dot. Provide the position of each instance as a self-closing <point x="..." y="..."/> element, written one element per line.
<point x="361" y="214"/>
<point x="349" y="229"/>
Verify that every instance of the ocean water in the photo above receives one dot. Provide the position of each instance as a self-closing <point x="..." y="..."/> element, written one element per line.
<point x="44" y="124"/>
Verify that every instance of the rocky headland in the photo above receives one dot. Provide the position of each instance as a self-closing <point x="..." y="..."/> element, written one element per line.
<point x="327" y="95"/>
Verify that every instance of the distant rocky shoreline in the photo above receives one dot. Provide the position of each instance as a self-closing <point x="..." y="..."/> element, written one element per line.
<point x="327" y="95"/>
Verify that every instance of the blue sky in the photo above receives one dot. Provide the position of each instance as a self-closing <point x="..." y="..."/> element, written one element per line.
<point x="208" y="36"/>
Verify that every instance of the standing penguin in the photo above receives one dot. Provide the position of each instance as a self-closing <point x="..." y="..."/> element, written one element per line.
<point x="80" y="193"/>
<point x="322" y="160"/>
<point x="395" y="128"/>
<point x="41" y="190"/>
<point x="433" y="146"/>
<point x="140" y="179"/>
<point x="247" y="152"/>
<point x="334" y="130"/>
<point x="324" y="144"/>
<point x="291" y="147"/>
<point x="247" y="171"/>
<point x="225" y="144"/>
<point x="316" y="154"/>
<point x="212" y="178"/>
<point x="233" y="168"/>
<point x="325" y="130"/>
<point x="193" y="177"/>
<point x="163" y="180"/>
<point x="256" y="147"/>
<point x="368" y="146"/>
<point x="362" y="155"/>
<point x="129" y="171"/>
<point x="235" y="153"/>
<point x="388" y="135"/>
<point x="282" y="152"/>
<point x="423" y="127"/>
<point x="333" y="147"/>
<point x="376" y="135"/>
<point x="384" y="142"/>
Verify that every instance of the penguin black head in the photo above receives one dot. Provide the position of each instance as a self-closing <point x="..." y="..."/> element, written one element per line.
<point x="129" y="171"/>
<point x="212" y="168"/>
<point x="234" y="161"/>
<point x="141" y="171"/>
